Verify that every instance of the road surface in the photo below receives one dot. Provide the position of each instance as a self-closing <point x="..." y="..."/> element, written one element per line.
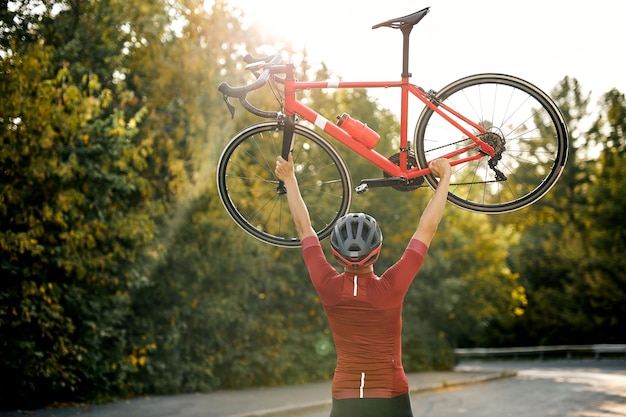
<point x="567" y="388"/>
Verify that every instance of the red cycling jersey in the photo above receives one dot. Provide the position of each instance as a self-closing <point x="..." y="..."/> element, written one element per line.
<point x="365" y="316"/>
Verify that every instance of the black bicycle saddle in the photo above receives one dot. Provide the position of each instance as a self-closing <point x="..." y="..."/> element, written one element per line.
<point x="402" y="22"/>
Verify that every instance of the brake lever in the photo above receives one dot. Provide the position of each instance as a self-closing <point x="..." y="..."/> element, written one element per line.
<point x="231" y="108"/>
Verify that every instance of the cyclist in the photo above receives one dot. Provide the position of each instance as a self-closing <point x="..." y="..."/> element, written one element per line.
<point x="365" y="311"/>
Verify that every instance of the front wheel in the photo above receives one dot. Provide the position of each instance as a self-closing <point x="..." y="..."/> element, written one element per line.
<point x="522" y="124"/>
<point x="257" y="201"/>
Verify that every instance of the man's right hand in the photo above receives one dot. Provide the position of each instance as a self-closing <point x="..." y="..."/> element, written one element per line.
<point x="441" y="168"/>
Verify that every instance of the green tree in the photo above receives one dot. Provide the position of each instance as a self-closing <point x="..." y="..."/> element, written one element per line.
<point x="69" y="170"/>
<point x="75" y="223"/>
<point x="601" y="283"/>
<point x="549" y="237"/>
<point x="572" y="236"/>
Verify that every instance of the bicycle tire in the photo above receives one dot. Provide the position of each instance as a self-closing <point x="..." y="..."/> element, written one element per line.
<point x="534" y="148"/>
<point x="250" y="191"/>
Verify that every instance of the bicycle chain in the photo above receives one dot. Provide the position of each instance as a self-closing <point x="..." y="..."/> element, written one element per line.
<point x="447" y="145"/>
<point x="498" y="173"/>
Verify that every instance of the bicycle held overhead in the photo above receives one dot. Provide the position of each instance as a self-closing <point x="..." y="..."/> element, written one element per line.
<point x="505" y="138"/>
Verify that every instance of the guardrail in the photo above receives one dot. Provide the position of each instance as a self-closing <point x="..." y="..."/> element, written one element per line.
<point x="568" y="350"/>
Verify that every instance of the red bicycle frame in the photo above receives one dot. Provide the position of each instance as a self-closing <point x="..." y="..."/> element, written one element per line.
<point x="293" y="107"/>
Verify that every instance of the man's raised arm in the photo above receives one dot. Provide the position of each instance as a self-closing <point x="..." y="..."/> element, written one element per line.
<point x="299" y="212"/>
<point x="429" y="221"/>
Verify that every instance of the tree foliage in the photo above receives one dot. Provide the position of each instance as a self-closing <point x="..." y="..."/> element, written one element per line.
<point x="73" y="225"/>
<point x="568" y="252"/>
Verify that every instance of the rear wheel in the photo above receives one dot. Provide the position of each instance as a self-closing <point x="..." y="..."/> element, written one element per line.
<point x="257" y="201"/>
<point x="523" y="125"/>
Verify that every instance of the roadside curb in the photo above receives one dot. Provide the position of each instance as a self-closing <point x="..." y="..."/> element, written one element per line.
<point x="504" y="374"/>
<point x="470" y="379"/>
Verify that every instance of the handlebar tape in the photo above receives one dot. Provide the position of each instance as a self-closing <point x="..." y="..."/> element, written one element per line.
<point x="241" y="92"/>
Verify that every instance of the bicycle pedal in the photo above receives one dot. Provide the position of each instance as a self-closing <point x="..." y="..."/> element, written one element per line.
<point x="380" y="182"/>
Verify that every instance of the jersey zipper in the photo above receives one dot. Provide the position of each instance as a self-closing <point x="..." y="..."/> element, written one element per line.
<point x="362" y="385"/>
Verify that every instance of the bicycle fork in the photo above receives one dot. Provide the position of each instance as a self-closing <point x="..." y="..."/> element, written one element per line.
<point x="288" y="139"/>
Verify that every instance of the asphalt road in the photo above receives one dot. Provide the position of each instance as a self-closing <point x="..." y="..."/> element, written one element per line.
<point x="572" y="388"/>
<point x="567" y="388"/>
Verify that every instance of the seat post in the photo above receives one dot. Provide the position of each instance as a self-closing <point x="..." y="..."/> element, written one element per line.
<point x="406" y="31"/>
<point x="405" y="24"/>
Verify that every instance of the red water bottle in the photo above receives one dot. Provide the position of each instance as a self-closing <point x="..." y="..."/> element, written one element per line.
<point x="358" y="130"/>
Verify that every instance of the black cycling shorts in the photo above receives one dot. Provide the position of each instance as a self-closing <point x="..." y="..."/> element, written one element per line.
<point x="372" y="407"/>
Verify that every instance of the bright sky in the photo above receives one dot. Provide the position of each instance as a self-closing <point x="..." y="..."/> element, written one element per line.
<point x="541" y="41"/>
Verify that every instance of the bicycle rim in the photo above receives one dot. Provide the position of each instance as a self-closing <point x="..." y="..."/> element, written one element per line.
<point x="522" y="120"/>
<point x="251" y="193"/>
